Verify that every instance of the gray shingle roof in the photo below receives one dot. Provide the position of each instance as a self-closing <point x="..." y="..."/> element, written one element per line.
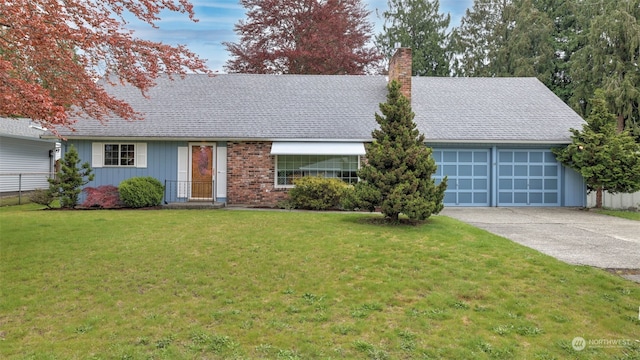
<point x="317" y="107"/>
<point x="20" y="128"/>
<point x="491" y="109"/>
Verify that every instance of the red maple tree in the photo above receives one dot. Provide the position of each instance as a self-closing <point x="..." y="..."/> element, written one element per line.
<point x="52" y="52"/>
<point x="303" y="37"/>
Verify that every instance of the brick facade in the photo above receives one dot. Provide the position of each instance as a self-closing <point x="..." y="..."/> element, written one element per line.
<point x="251" y="174"/>
<point x="400" y="70"/>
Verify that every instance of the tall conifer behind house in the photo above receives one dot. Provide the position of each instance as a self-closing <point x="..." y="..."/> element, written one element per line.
<point x="398" y="176"/>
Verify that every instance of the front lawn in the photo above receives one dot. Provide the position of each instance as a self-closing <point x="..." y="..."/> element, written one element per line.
<point x="221" y="284"/>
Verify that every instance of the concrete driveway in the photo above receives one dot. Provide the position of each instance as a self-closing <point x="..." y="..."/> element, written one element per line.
<point x="575" y="236"/>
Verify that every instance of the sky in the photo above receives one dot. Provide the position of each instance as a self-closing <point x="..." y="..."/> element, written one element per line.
<point x="218" y="17"/>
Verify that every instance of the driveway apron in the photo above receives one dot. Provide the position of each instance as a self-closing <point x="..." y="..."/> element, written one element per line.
<point x="575" y="236"/>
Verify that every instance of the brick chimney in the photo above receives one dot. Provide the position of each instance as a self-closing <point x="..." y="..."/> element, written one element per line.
<point x="400" y="70"/>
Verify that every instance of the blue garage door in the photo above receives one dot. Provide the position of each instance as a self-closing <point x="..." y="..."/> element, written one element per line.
<point x="528" y="177"/>
<point x="468" y="176"/>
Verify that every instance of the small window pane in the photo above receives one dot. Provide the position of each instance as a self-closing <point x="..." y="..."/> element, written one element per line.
<point x="449" y="156"/>
<point x="480" y="170"/>
<point x="535" y="157"/>
<point x="505" y="198"/>
<point x="535" y="198"/>
<point x="520" y="184"/>
<point x="505" y="184"/>
<point x="551" y="184"/>
<point x="520" y="156"/>
<point x="465" y="156"/>
<point x="520" y="198"/>
<point x="465" y="197"/>
<point x="520" y="170"/>
<point x="450" y="170"/>
<point x="550" y="170"/>
<point x="465" y="170"/>
<point x="535" y="170"/>
<point x="506" y="156"/>
<point x="480" y="198"/>
<point x="480" y="184"/>
<point x="465" y="184"/>
<point x="480" y="156"/>
<point x="551" y="198"/>
<point x="535" y="184"/>
<point x="505" y="170"/>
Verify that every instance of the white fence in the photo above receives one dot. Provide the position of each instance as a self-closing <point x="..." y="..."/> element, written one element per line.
<point x="615" y="201"/>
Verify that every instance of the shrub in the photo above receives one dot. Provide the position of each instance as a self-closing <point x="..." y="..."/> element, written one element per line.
<point x="69" y="181"/>
<point x="42" y="197"/>
<point x="317" y="193"/>
<point x="105" y="196"/>
<point x="141" y="191"/>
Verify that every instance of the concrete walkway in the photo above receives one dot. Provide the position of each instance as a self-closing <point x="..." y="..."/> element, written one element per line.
<point x="575" y="236"/>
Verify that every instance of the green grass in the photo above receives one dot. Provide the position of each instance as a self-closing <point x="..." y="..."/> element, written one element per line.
<point x="631" y="215"/>
<point x="187" y="284"/>
<point x="15" y="200"/>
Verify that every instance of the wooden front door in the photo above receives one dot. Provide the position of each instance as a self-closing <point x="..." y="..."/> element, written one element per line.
<point x="202" y="171"/>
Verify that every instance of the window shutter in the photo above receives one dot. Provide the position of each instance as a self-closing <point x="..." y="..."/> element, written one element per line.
<point x="183" y="171"/>
<point x="141" y="155"/>
<point x="97" y="155"/>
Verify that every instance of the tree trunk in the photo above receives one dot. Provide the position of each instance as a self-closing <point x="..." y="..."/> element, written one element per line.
<point x="599" y="198"/>
<point x="620" y="123"/>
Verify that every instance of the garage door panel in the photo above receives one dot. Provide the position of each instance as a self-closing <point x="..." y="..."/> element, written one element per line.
<point x="551" y="198"/>
<point x="468" y="176"/>
<point x="528" y="177"/>
<point x="480" y="184"/>
<point x="550" y="184"/>
<point x="505" y="170"/>
<point x="465" y="184"/>
<point x="481" y="198"/>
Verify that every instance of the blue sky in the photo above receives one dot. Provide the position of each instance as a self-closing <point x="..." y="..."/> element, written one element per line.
<point x="217" y="18"/>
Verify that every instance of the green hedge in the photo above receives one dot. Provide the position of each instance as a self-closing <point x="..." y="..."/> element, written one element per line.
<point x="317" y="193"/>
<point x="141" y="191"/>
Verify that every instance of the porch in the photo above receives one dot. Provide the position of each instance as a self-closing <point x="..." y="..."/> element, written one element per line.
<point x="190" y="195"/>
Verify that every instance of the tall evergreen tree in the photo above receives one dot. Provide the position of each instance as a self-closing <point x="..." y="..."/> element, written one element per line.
<point x="504" y="38"/>
<point x="608" y="160"/>
<point x="609" y="59"/>
<point x="419" y="25"/>
<point x="398" y="175"/>
<point x="477" y="39"/>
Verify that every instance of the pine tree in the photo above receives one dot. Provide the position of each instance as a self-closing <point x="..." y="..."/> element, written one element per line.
<point x="609" y="59"/>
<point x="419" y="25"/>
<point x="608" y="160"/>
<point x="398" y="175"/>
<point x="68" y="182"/>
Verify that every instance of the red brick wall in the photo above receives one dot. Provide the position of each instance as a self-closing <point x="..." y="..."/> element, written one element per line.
<point x="251" y="174"/>
<point x="400" y="70"/>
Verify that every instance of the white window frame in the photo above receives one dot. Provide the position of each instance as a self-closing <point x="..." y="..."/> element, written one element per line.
<point x="98" y="154"/>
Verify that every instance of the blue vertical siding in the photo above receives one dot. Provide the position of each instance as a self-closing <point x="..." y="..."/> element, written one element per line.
<point x="162" y="162"/>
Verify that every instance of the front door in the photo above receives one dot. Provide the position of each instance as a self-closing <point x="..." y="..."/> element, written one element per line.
<point x="202" y="171"/>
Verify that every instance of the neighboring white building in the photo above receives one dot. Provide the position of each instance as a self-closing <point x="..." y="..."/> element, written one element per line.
<point x="26" y="160"/>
